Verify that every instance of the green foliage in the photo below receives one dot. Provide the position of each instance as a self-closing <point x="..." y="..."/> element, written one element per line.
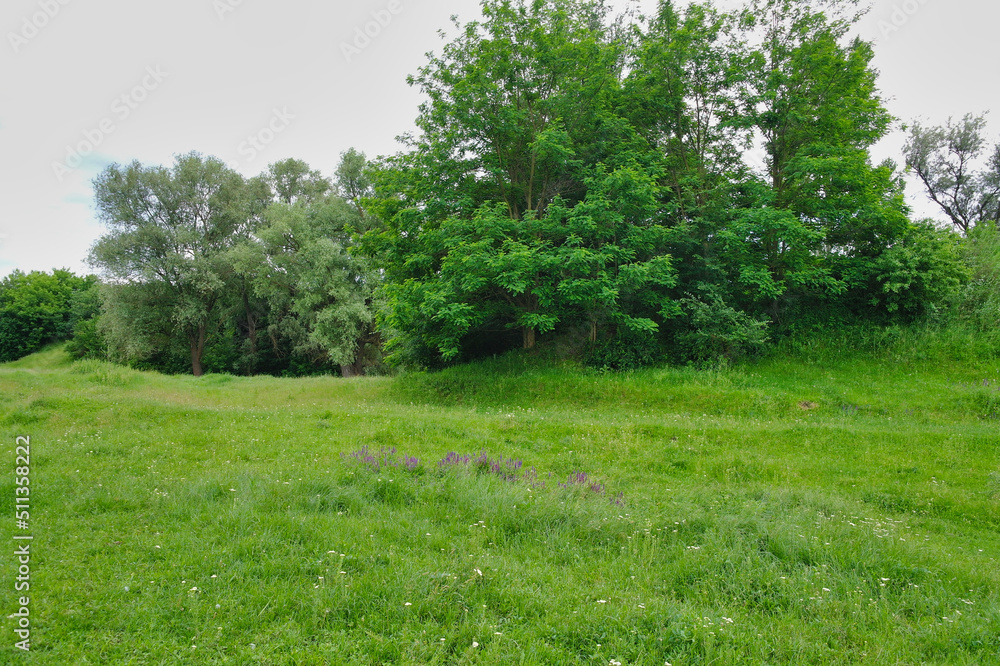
<point x="772" y="252"/>
<point x="568" y="176"/>
<point x="221" y="273"/>
<point x="921" y="274"/>
<point x="980" y="300"/>
<point x="314" y="294"/>
<point x="712" y="330"/>
<point x="39" y="308"/>
<point x="627" y="350"/>
<point x="574" y="262"/>
<point x="571" y="171"/>
<point x="521" y="205"/>
<point x="807" y="84"/>
<point x="166" y="252"/>
<point x="318" y="296"/>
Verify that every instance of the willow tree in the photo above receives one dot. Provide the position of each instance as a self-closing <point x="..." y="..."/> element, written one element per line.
<point x="948" y="161"/>
<point x="165" y="256"/>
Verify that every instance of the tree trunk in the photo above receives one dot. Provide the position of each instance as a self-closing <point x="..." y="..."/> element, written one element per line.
<point x="197" y="350"/>
<point x="251" y="324"/>
<point x="355" y="369"/>
<point x="528" y="335"/>
<point x="593" y="331"/>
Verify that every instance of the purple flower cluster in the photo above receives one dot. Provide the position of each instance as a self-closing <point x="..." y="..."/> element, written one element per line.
<point x="385" y="457"/>
<point x="508" y="469"/>
<point x="986" y="383"/>
<point x="583" y="480"/>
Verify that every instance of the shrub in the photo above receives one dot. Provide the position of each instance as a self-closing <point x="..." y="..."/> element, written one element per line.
<point x="980" y="300"/>
<point x="713" y="331"/>
<point x="922" y="273"/>
<point x="626" y="350"/>
<point x="37" y="309"/>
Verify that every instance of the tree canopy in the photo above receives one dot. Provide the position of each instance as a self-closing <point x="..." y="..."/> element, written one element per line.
<point x="574" y="175"/>
<point x="39" y="308"/>
<point x="573" y="170"/>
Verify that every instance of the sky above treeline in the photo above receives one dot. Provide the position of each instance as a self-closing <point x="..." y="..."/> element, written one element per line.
<point x="257" y="81"/>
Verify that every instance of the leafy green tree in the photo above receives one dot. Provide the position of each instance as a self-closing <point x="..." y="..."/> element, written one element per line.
<point x="526" y="201"/>
<point x="315" y="296"/>
<point x="681" y="98"/>
<point x="354" y="184"/>
<point x="38" y="308"/>
<point x="166" y="254"/>
<point x="318" y="296"/>
<point x="292" y="181"/>
<point x="824" y="213"/>
<point x="808" y="84"/>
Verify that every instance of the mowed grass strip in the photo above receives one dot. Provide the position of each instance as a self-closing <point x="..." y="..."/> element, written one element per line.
<point x="787" y="512"/>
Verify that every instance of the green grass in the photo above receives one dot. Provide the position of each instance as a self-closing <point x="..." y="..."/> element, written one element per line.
<point x="808" y="509"/>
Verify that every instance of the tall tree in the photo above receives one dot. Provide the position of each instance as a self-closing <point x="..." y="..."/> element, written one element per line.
<point x="513" y="208"/>
<point x="681" y="96"/>
<point x="316" y="296"/>
<point x="169" y="234"/>
<point x="293" y="181"/>
<point x="353" y="181"/>
<point x="809" y="93"/>
<point x="947" y="160"/>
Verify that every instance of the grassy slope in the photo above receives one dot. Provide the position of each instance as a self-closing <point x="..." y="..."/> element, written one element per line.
<point x="783" y="513"/>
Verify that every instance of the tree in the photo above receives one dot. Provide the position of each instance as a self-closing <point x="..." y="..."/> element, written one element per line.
<point x="318" y="296"/>
<point x="807" y="84"/>
<point x="945" y="160"/>
<point x="39" y="308"/>
<point x="166" y="254"/>
<point x="823" y="212"/>
<point x="526" y="202"/>
<point x="680" y="95"/>
<point x="293" y="181"/>
<point x="353" y="181"/>
<point x="315" y="296"/>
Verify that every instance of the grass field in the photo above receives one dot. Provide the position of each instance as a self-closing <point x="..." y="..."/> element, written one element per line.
<point x="801" y="510"/>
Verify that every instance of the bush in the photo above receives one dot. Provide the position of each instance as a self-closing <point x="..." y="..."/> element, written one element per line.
<point x="922" y="274"/>
<point x="627" y="350"/>
<point x="980" y="299"/>
<point x="713" y="331"/>
<point x="87" y="341"/>
<point x="37" y="309"/>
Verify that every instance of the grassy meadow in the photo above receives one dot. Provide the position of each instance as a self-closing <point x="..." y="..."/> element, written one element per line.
<point x="810" y="508"/>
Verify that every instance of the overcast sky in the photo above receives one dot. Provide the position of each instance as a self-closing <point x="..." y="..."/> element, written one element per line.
<point x="150" y="80"/>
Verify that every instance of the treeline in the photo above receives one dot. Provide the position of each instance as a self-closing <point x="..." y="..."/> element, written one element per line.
<point x="575" y="176"/>
<point x="40" y="308"/>
<point x="207" y="270"/>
